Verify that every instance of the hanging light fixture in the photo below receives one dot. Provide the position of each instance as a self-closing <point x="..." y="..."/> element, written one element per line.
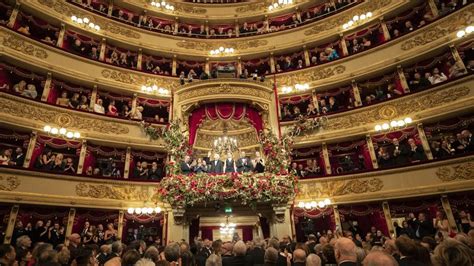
<point x="227" y="229"/>
<point x="224" y="143"/>
<point x="320" y="205"/>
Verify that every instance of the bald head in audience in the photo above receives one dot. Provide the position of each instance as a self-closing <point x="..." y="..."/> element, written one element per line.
<point x="345" y="250"/>
<point x="299" y="255"/>
<point x="379" y="258"/>
<point x="313" y="260"/>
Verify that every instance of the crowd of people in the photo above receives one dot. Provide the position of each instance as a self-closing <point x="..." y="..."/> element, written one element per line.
<point x="12" y="157"/>
<point x="450" y="145"/>
<point x="220" y="31"/>
<point x="142" y="170"/>
<point x="214" y="165"/>
<point x="56" y="162"/>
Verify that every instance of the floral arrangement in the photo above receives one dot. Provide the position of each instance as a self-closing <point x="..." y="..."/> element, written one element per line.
<point x="247" y="188"/>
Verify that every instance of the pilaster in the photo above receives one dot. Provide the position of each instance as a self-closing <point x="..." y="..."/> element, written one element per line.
<point x="373" y="155"/>
<point x="388" y="219"/>
<point x="31" y="148"/>
<point x="11" y="224"/>
<point x="424" y="141"/>
<point x="47" y="87"/>
<point x="82" y="157"/>
<point x="327" y="162"/>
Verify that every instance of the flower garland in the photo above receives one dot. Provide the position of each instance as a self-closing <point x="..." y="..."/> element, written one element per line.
<point x="247" y="188"/>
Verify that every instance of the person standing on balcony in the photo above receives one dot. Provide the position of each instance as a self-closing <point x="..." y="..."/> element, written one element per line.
<point x="243" y="163"/>
<point x="229" y="164"/>
<point x="398" y="152"/>
<point x="186" y="167"/>
<point x="217" y="166"/>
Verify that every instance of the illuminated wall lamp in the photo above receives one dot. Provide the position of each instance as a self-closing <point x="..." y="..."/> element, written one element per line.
<point x="395" y="124"/>
<point x="357" y="18"/>
<point x="85" y="22"/>
<point x="464" y="32"/>
<point x="62" y="132"/>
<point x="314" y="205"/>
<point x="144" y="210"/>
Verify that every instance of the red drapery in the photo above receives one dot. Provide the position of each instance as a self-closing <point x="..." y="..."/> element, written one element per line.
<point x="367" y="216"/>
<point x="223" y="111"/>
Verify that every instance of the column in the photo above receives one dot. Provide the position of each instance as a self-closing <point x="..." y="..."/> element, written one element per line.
<point x="31" y="148"/>
<point x="93" y="98"/>
<point x="82" y="157"/>
<point x="103" y="46"/>
<point x="345" y="51"/>
<point x="140" y="59"/>
<point x="272" y="63"/>
<point x="174" y="66"/>
<point x="46" y="88"/>
<point x="111" y="7"/>
<point x="280" y="223"/>
<point x="239" y="67"/>
<point x="457" y="58"/>
<point x="164" y="230"/>
<point x="207" y="67"/>
<point x="388" y="219"/>
<point x="128" y="157"/>
<point x="373" y="156"/>
<point x="237" y="28"/>
<point x="433" y="8"/>
<point x="403" y="80"/>
<point x="267" y="23"/>
<point x="14" y="15"/>
<point x="449" y="212"/>
<point x="176" y="226"/>
<point x="120" y="224"/>
<point x="176" y="25"/>
<point x="386" y="32"/>
<point x="424" y="141"/>
<point x="307" y="60"/>
<point x="314" y="98"/>
<point x="356" y="93"/>
<point x="134" y="102"/>
<point x="11" y="224"/>
<point x="337" y="218"/>
<point x="293" y="226"/>
<point x="70" y="224"/>
<point x="62" y="32"/>
<point x="327" y="163"/>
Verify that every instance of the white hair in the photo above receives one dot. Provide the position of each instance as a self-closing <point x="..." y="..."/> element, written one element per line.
<point x="313" y="260"/>
<point x="144" y="262"/>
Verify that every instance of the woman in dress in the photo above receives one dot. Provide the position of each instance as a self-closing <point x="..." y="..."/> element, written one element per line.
<point x="74" y="102"/>
<point x="465" y="223"/>
<point x="441" y="224"/>
<point x="63" y="100"/>
<point x="259" y="164"/>
<point x="111" y="109"/>
<point x="5" y="157"/>
<point x="83" y="104"/>
<point x="110" y="234"/>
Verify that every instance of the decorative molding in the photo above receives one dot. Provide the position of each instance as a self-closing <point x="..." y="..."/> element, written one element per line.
<point x="18" y="44"/>
<point x="398" y="107"/>
<point x="183" y="8"/>
<point x="207" y="46"/>
<point x="442" y="29"/>
<point x="224" y="88"/>
<point x="32" y="111"/>
<point x="114" y="192"/>
<point x="9" y="183"/>
<point x="310" y="75"/>
<point x="135" y="79"/>
<point x="337" y="21"/>
<point x="464" y="171"/>
<point x="322" y="189"/>
<point x="245" y="139"/>
<point x="64" y="9"/>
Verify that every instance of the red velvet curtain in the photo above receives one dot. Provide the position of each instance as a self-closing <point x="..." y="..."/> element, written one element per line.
<point x="223" y="111"/>
<point x="321" y="220"/>
<point x="94" y="217"/>
<point x="367" y="216"/>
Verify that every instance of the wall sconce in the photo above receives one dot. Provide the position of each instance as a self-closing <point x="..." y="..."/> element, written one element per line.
<point x="222" y="51"/>
<point x="357" y="19"/>
<point x="163" y="5"/>
<point x="85" y="22"/>
<point x="155" y="89"/>
<point x="466" y="31"/>
<point x="279" y="4"/>
<point x="322" y="204"/>
<point x="394" y="125"/>
<point x="61" y="132"/>
<point x="144" y="210"/>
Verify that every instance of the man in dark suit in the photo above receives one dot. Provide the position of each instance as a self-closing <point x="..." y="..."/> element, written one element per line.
<point x="19" y="157"/>
<point x="469" y="140"/>
<point x="255" y="257"/>
<point x="416" y="152"/>
<point x="216" y="166"/>
<point x="345" y="252"/>
<point x="408" y="251"/>
<point x="186" y="167"/>
<point x="398" y="152"/>
<point x="423" y="227"/>
<point x="244" y="165"/>
<point x="229" y="164"/>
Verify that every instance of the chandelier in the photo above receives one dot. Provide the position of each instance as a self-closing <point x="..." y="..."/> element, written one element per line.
<point x="227" y="228"/>
<point x="224" y="143"/>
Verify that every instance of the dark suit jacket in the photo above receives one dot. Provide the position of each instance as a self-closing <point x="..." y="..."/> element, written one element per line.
<point x="185" y="168"/>
<point x="348" y="263"/>
<point x="235" y="261"/>
<point x="216" y="168"/>
<point x="409" y="262"/>
<point x="424" y="228"/>
<point x="244" y="167"/>
<point x="19" y="160"/>
<point x="255" y="257"/>
<point x="418" y="154"/>
<point x="402" y="157"/>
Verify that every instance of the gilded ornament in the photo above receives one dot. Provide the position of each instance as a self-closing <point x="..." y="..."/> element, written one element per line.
<point x="225" y="89"/>
<point x="310" y="75"/>
<point x="184" y="8"/>
<point x="323" y="189"/>
<point x="9" y="183"/>
<point x="115" y="192"/>
<point x="388" y="112"/>
<point x="207" y="46"/>
<point x="18" y="44"/>
<point x="463" y="171"/>
<point x="443" y="28"/>
<point x="135" y="79"/>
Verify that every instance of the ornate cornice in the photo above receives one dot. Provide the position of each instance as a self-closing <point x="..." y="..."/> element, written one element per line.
<point x="310" y="75"/>
<point x="337" y="21"/>
<point x="129" y="77"/>
<point x="208" y="46"/>
<point x="213" y="89"/>
<point x="63" y="8"/>
<point x="340" y="187"/>
<point x="464" y="171"/>
<point x="443" y="28"/>
<point x="20" y="45"/>
<point x="123" y="192"/>
<point x="20" y="108"/>
<point x="9" y="183"/>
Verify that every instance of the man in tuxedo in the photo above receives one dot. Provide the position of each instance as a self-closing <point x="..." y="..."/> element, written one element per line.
<point x="469" y="140"/>
<point x="19" y="157"/>
<point x="398" y="152"/>
<point x="345" y="252"/>
<point x="244" y="165"/>
<point x="408" y="251"/>
<point x="185" y="165"/>
<point x="229" y="164"/>
<point x="416" y="152"/>
<point x="155" y="173"/>
<point x="216" y="166"/>
<point x="423" y="227"/>
<point x="257" y="254"/>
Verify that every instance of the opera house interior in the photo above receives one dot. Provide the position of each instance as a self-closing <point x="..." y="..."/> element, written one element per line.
<point x="236" y="132"/>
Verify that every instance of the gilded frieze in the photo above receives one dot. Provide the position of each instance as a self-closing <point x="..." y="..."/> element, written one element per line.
<point x="310" y="75"/>
<point x="401" y="107"/>
<point x="224" y="89"/>
<point x="114" y="192"/>
<point x="9" y="183"/>
<point x="322" y="189"/>
<point x="337" y="21"/>
<point x="138" y="80"/>
<point x="63" y="8"/>
<point x="20" y="45"/>
<point x="442" y="29"/>
<point x="208" y="46"/>
<point x="463" y="171"/>
<point x="34" y="112"/>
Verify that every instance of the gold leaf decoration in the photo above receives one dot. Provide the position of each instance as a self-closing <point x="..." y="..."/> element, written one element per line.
<point x="115" y="192"/>
<point x="9" y="183"/>
<point x="225" y="89"/>
<point x="463" y="171"/>
<point x="24" y="47"/>
<point x="131" y="78"/>
<point x="318" y="189"/>
<point x="442" y="29"/>
<point x="207" y="46"/>
<point x="310" y="75"/>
